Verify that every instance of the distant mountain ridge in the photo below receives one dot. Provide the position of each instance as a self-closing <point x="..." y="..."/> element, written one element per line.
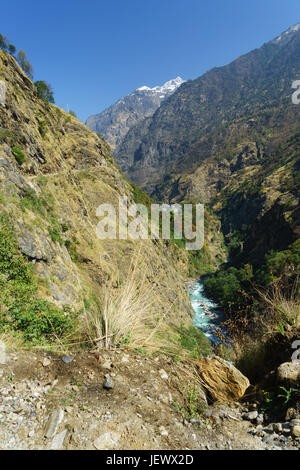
<point x="190" y="125"/>
<point x="230" y="139"/>
<point x="114" y="122"/>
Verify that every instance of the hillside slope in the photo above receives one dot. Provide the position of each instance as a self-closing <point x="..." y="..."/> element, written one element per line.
<point x="231" y="140"/>
<point x="54" y="173"/>
<point x="192" y="124"/>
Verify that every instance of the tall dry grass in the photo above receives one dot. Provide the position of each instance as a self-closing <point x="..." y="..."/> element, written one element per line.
<point x="277" y="317"/>
<point x="132" y="314"/>
<point x="283" y="307"/>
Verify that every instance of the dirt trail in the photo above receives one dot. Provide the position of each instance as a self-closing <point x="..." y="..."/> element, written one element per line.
<point x="41" y="395"/>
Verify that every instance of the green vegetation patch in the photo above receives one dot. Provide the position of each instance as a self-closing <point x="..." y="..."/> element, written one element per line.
<point x="21" y="311"/>
<point x="194" y="340"/>
<point x="18" y="154"/>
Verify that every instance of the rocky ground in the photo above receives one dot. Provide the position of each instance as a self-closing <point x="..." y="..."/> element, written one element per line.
<point x="119" y="400"/>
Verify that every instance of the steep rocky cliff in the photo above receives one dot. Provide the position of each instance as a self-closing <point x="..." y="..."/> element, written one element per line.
<point x="54" y="173"/>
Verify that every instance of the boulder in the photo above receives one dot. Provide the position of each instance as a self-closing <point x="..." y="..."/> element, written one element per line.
<point x="289" y="372"/>
<point x="222" y="381"/>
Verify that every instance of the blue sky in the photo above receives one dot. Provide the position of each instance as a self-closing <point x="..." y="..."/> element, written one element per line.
<point x="94" y="51"/>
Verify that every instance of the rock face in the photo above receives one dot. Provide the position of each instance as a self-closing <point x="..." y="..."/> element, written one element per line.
<point x="222" y="381"/>
<point x="2" y="92"/>
<point x="289" y="372"/>
<point x="114" y="122"/>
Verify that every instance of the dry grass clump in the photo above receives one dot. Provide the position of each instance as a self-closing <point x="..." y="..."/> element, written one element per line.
<point x="275" y="322"/>
<point x="283" y="308"/>
<point x="131" y="314"/>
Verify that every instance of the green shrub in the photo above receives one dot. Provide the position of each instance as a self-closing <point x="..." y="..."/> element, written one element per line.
<point x="33" y="202"/>
<point x="140" y="196"/>
<point x="277" y="262"/>
<point x="227" y="285"/>
<point x="39" y="320"/>
<point x="18" y="154"/>
<point x="24" y="63"/>
<point x="4" y="133"/>
<point x="71" y="247"/>
<point x="44" y="91"/>
<point x="39" y="204"/>
<point x="42" y="128"/>
<point x="194" y="340"/>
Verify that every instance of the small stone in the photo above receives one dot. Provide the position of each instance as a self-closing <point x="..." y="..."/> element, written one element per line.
<point x="289" y="372"/>
<point x="295" y="422"/>
<point x="58" y="440"/>
<point x="67" y="359"/>
<point x="107" y="365"/>
<point x="195" y="421"/>
<point x="46" y="362"/>
<point x="267" y="439"/>
<point x="107" y="441"/>
<point x="53" y="423"/>
<point x="291" y="414"/>
<point x="163" y="374"/>
<point x="260" y="419"/>
<point x="108" y="384"/>
<point x="251" y="416"/>
<point x="277" y="427"/>
<point x="296" y="431"/>
<point x="163" y="431"/>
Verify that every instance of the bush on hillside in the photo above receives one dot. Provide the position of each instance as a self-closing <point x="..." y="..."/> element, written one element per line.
<point x="38" y="321"/>
<point x="44" y="91"/>
<point x="24" y="63"/>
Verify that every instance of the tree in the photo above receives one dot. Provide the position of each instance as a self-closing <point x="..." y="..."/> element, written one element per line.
<point x="3" y="42"/>
<point x="11" y="49"/>
<point x="24" y="63"/>
<point x="44" y="91"/>
<point x="73" y="113"/>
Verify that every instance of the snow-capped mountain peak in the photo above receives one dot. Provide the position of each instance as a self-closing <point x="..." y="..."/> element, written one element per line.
<point x="291" y="30"/>
<point x="114" y="122"/>
<point x="166" y="89"/>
